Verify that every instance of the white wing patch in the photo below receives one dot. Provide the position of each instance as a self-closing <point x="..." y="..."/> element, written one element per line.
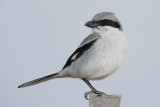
<point x="74" y="57"/>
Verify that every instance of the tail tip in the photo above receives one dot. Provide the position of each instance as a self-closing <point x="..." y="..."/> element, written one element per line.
<point x="20" y="86"/>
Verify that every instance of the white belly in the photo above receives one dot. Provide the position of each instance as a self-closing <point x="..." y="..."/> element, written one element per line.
<point x="103" y="59"/>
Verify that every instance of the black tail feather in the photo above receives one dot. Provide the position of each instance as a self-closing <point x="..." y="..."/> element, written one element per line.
<point x="39" y="80"/>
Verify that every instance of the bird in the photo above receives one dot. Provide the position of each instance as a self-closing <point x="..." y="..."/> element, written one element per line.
<point x="98" y="56"/>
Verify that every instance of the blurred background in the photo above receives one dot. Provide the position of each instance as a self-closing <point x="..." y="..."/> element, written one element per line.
<point x="37" y="37"/>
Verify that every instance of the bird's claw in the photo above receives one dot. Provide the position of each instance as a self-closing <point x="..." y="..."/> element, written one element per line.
<point x="86" y="95"/>
<point x="98" y="93"/>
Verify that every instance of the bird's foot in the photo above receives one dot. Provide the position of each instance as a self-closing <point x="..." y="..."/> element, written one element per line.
<point x="99" y="93"/>
<point x="86" y="95"/>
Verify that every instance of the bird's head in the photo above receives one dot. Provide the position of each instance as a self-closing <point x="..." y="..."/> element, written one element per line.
<point x="103" y="21"/>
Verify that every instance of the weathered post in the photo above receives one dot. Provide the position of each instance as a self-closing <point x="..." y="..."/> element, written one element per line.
<point x="104" y="100"/>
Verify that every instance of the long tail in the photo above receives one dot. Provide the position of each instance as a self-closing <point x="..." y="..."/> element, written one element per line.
<point x="39" y="80"/>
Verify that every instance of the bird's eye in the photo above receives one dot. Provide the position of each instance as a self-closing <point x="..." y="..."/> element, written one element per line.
<point x="103" y="22"/>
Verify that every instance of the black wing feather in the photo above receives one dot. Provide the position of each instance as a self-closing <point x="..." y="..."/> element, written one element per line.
<point x="79" y="51"/>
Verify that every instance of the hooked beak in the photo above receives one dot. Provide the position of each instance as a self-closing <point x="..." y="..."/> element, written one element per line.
<point x="91" y="24"/>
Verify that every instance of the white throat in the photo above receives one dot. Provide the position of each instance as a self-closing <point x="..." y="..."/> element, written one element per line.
<point x="103" y="29"/>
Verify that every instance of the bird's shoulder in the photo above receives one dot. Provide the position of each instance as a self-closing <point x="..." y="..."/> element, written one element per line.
<point x="89" y="38"/>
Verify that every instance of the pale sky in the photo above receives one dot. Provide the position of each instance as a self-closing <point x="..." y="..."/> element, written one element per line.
<point x="37" y="37"/>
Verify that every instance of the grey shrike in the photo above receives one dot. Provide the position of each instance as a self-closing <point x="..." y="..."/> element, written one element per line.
<point x="98" y="56"/>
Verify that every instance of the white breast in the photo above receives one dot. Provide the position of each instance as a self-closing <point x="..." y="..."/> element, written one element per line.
<point x="104" y="58"/>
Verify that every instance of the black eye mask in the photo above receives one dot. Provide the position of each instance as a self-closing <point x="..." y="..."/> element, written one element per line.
<point x="107" y="22"/>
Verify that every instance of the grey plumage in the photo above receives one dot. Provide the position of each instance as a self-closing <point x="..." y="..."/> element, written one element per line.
<point x="89" y="38"/>
<point x="107" y="15"/>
